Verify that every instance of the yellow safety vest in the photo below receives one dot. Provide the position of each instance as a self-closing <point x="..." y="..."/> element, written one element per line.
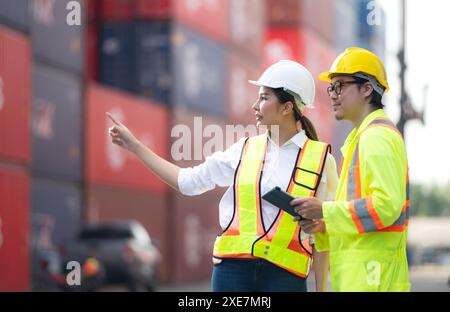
<point x="280" y="243"/>
<point x="367" y="223"/>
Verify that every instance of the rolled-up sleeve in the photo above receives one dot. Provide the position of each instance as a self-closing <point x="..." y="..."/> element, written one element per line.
<point x="217" y="170"/>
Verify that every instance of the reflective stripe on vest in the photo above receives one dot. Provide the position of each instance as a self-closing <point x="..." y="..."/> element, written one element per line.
<point x="281" y="243"/>
<point x="362" y="210"/>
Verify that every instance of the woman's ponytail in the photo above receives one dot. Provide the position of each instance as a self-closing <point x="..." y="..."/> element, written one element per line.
<point x="309" y="128"/>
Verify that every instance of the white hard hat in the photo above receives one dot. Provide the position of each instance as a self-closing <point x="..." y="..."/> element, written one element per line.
<point x="293" y="78"/>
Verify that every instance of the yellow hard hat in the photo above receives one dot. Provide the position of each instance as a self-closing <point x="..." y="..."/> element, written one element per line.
<point x="357" y="60"/>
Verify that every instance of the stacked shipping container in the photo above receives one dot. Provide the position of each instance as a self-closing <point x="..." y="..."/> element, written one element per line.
<point x="173" y="60"/>
<point x="15" y="86"/>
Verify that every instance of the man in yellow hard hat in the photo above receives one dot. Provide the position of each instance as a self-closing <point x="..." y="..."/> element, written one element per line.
<point x="365" y="227"/>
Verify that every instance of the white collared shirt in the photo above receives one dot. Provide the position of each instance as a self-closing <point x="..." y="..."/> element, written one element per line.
<point x="219" y="169"/>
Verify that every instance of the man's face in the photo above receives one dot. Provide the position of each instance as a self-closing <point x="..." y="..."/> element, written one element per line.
<point x="348" y="104"/>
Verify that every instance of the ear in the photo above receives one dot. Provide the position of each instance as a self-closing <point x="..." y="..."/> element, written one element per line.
<point x="288" y="108"/>
<point x="367" y="89"/>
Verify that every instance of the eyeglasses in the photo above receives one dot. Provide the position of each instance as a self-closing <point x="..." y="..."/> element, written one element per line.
<point x="337" y="86"/>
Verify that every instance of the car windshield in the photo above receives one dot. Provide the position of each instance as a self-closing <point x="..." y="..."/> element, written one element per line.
<point x="105" y="233"/>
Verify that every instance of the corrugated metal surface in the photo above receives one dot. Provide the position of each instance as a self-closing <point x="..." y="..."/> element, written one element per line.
<point x="194" y="137"/>
<point x="200" y="83"/>
<point x="14" y="229"/>
<point x="152" y="71"/>
<point x="15" y="14"/>
<point x="316" y="15"/>
<point x="158" y="9"/>
<point x="320" y="54"/>
<point x="345" y="24"/>
<point x="116" y="47"/>
<point x="196" y="225"/>
<point x="91" y="52"/>
<point x="117" y="10"/>
<point x="364" y="7"/>
<point x="208" y="17"/>
<point x="319" y="17"/>
<point x="150" y="209"/>
<point x="242" y="94"/>
<point x="284" y="13"/>
<point x="91" y="9"/>
<point x="109" y="164"/>
<point x="54" y="41"/>
<point x="15" y="72"/>
<point x="284" y="43"/>
<point x="56" y="124"/>
<point x="247" y="25"/>
<point x="55" y="212"/>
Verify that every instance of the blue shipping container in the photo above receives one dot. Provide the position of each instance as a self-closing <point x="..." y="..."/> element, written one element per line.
<point x="55" y="40"/>
<point x="15" y="14"/>
<point x="56" y="124"/>
<point x="152" y="72"/>
<point x="117" y="60"/>
<point x="200" y="73"/>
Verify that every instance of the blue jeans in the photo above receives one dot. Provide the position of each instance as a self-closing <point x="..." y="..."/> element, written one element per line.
<point x="254" y="275"/>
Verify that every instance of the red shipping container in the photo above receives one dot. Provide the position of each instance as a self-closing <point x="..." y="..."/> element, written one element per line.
<point x="14" y="229"/>
<point x="106" y="204"/>
<point x="284" y="13"/>
<point x="196" y="226"/>
<point x="319" y="57"/>
<point x="309" y="14"/>
<point x="117" y="10"/>
<point x="107" y="163"/>
<point x="242" y="94"/>
<point x="319" y="17"/>
<point x="91" y="52"/>
<point x="15" y="97"/>
<point x="210" y="17"/>
<point x="248" y="25"/>
<point x="91" y="9"/>
<point x="160" y="9"/>
<point x="284" y="44"/>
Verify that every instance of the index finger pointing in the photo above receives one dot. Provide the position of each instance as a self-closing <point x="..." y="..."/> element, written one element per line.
<point x="113" y="119"/>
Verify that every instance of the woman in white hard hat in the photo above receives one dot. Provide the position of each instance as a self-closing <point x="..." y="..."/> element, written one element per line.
<point x="261" y="247"/>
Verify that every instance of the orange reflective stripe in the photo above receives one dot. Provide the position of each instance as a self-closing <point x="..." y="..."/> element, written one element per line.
<point x="234" y="226"/>
<point x="373" y="213"/>
<point x="355" y="217"/>
<point x="259" y="220"/>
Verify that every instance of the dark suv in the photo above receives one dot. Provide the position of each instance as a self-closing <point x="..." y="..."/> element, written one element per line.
<point x="124" y="250"/>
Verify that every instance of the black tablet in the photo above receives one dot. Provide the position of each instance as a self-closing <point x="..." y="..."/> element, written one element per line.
<point x="281" y="199"/>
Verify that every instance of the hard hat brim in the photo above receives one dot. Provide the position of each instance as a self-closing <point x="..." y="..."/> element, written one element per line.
<point x="325" y="76"/>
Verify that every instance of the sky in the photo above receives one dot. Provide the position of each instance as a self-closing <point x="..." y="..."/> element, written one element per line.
<point x="428" y="61"/>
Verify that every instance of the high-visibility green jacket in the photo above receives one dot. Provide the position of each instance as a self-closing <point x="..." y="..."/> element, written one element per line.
<point x="366" y="226"/>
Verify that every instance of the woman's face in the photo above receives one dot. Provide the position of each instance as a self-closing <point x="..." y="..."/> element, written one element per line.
<point x="268" y="110"/>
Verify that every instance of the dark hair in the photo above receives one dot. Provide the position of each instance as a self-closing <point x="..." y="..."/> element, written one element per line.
<point x="375" y="99"/>
<point x="283" y="97"/>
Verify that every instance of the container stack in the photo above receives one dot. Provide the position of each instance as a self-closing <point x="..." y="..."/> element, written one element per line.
<point x="173" y="71"/>
<point x="15" y="156"/>
<point x="302" y="30"/>
<point x="56" y="129"/>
